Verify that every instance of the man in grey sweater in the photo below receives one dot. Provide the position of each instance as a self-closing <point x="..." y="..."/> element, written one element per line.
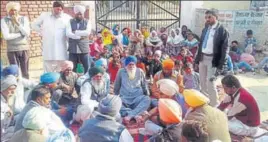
<point x="16" y="30"/>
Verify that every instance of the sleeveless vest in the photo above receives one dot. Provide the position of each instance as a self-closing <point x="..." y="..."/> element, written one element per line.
<point x="17" y="44"/>
<point x="79" y="45"/>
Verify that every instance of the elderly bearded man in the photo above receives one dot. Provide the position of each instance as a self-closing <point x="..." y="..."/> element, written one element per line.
<point x="94" y="88"/>
<point x="78" y="32"/>
<point x="16" y="30"/>
<point x="130" y="85"/>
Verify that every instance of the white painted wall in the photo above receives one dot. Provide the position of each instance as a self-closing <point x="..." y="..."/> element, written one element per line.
<point x="188" y="12"/>
<point x="91" y="5"/>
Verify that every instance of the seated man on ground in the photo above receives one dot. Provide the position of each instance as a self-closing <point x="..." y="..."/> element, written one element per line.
<point x="164" y="121"/>
<point x="201" y="111"/>
<point x="68" y="79"/>
<point x="156" y="65"/>
<point x="50" y="80"/>
<point x="40" y="96"/>
<point x="19" y="99"/>
<point x="34" y="126"/>
<point x="104" y="64"/>
<point x="169" y="89"/>
<point x="104" y="127"/>
<point x="167" y="72"/>
<point x="83" y="113"/>
<point x="95" y="88"/>
<point x="8" y="87"/>
<point x="241" y="108"/>
<point x="131" y="86"/>
<point x="193" y="131"/>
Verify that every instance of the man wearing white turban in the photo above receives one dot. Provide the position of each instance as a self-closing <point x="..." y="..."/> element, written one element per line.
<point x="78" y="31"/>
<point x="16" y="30"/>
<point x="34" y="124"/>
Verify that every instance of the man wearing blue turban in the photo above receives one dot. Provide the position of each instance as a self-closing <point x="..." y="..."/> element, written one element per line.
<point x="131" y="86"/>
<point x="21" y="95"/>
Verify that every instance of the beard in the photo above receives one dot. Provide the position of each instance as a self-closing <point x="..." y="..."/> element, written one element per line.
<point x="167" y="75"/>
<point x="98" y="85"/>
<point x="131" y="73"/>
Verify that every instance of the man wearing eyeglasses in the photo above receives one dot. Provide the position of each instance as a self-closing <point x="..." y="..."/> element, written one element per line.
<point x="211" y="55"/>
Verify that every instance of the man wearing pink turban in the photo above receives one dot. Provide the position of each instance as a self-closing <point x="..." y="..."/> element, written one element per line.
<point x="68" y="79"/>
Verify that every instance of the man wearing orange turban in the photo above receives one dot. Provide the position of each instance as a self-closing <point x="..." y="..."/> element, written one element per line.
<point x="68" y="80"/>
<point x="167" y="72"/>
<point x="164" y="119"/>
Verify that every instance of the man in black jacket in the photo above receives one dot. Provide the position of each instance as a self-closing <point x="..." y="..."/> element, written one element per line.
<point x="211" y="55"/>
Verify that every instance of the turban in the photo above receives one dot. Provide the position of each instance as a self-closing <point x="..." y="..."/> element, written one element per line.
<point x="8" y="81"/>
<point x="49" y="77"/>
<point x="11" y="70"/>
<point x="168" y="87"/>
<point x="130" y="59"/>
<point x="58" y="4"/>
<point x="110" y="105"/>
<point x="79" y="8"/>
<point x="169" y="111"/>
<point x="194" y="98"/>
<point x="62" y="136"/>
<point x="101" y="62"/>
<point x="35" y="119"/>
<point x="168" y="64"/>
<point x="83" y="112"/>
<point x="158" y="52"/>
<point x="67" y="64"/>
<point x="13" y="5"/>
<point x="95" y="70"/>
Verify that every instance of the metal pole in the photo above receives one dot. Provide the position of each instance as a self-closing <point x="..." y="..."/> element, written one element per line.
<point x="96" y="16"/>
<point x="138" y="14"/>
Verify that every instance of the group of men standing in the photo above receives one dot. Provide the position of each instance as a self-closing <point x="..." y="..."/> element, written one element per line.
<point x="58" y="30"/>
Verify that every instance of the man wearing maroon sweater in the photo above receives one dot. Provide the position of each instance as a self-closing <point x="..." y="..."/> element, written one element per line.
<point x="241" y="108"/>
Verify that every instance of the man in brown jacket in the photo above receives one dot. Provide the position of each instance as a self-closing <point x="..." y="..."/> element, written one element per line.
<point x="216" y="121"/>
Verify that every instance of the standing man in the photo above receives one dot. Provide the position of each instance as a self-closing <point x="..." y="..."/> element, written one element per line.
<point x="52" y="26"/>
<point x="16" y="30"/>
<point x="211" y="55"/>
<point x="78" y="31"/>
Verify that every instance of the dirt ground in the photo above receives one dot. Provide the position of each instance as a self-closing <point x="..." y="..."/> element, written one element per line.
<point x="257" y="84"/>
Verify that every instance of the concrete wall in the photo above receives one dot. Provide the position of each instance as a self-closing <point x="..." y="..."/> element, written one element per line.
<point x="238" y="22"/>
<point x="227" y="5"/>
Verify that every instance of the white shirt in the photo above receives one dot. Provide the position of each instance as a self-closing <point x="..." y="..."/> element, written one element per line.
<point x="20" y="100"/>
<point x="24" y="29"/>
<point x="5" y="119"/>
<point x="125" y="136"/>
<point x="78" y="33"/>
<point x="86" y="91"/>
<point x="53" y="32"/>
<point x="210" y="44"/>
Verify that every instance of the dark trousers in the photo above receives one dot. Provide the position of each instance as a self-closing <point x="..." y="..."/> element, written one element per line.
<point x="79" y="58"/>
<point x="20" y="58"/>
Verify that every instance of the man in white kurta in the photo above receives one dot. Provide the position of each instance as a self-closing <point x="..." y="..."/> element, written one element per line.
<point x="52" y="27"/>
